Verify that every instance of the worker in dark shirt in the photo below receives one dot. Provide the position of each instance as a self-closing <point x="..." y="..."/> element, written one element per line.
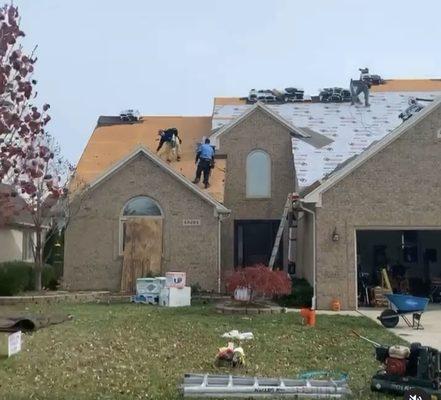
<point x="169" y="144"/>
<point x="204" y="161"/>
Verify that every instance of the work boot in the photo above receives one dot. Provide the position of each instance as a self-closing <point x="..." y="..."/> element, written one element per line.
<point x="207" y="185"/>
<point x="196" y="181"/>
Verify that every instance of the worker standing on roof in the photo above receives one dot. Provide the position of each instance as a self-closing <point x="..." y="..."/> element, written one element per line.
<point x="169" y="144"/>
<point x="205" y="161"/>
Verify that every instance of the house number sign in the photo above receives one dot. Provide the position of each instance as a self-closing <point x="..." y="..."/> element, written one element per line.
<point x="191" y="222"/>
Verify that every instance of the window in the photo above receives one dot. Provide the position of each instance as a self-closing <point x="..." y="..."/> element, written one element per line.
<point x="28" y="246"/>
<point x="258" y="175"/>
<point x="138" y="207"/>
<point x="141" y="206"/>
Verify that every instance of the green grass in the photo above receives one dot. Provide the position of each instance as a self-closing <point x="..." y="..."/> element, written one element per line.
<point x="125" y="351"/>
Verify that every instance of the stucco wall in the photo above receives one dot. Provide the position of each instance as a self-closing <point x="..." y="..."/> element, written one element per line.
<point x="398" y="187"/>
<point x="11" y="244"/>
<point x="91" y="250"/>
<point x="258" y="131"/>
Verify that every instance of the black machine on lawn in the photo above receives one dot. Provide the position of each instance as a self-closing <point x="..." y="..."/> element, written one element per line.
<point x="405" y="368"/>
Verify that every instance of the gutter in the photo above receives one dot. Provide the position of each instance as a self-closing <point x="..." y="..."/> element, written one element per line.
<point x="314" y="262"/>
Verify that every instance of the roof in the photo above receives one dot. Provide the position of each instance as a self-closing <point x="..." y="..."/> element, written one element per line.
<point x="221" y="101"/>
<point x="314" y="196"/>
<point x="408" y="85"/>
<point x="352" y="129"/>
<point x="148" y="153"/>
<point x="111" y="143"/>
<point x="15" y="207"/>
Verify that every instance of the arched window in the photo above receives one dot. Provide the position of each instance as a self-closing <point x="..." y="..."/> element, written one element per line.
<point x="137" y="207"/>
<point x="141" y="206"/>
<point x="258" y="175"/>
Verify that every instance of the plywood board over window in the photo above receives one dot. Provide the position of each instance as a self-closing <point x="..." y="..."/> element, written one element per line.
<point x="142" y="250"/>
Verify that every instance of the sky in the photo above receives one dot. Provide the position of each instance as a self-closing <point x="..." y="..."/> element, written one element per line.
<point x="171" y="57"/>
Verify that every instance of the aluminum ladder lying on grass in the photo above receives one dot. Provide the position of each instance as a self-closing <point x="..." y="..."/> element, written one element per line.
<point x="229" y="386"/>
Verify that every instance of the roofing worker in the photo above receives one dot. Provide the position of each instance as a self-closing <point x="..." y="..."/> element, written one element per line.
<point x="205" y="156"/>
<point x="169" y="144"/>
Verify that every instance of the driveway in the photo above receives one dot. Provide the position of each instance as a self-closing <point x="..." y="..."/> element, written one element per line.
<point x="431" y="320"/>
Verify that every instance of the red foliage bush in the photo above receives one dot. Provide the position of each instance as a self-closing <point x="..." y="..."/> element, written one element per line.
<point x="260" y="280"/>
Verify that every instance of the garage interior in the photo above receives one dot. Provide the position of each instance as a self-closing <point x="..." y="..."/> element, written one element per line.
<point x="412" y="258"/>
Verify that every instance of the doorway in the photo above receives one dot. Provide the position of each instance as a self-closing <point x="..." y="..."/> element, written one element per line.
<point x="254" y="241"/>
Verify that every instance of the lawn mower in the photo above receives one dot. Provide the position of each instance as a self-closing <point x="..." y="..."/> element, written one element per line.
<point x="407" y="368"/>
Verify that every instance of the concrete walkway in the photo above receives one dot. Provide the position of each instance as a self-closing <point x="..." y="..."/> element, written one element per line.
<point x="431" y="320"/>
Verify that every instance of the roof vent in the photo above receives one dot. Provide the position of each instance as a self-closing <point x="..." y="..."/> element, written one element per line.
<point x="129" y="115"/>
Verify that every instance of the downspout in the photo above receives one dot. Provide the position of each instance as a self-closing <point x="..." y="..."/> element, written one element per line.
<point x="220" y="218"/>
<point x="314" y="263"/>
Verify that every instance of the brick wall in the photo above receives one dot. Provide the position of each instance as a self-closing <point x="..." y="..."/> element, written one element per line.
<point x="258" y="131"/>
<point x="91" y="251"/>
<point x="398" y="187"/>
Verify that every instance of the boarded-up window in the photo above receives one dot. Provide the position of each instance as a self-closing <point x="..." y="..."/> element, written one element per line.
<point x="135" y="208"/>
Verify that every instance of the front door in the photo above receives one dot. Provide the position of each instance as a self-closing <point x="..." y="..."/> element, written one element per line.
<point x="254" y="241"/>
<point x="142" y="250"/>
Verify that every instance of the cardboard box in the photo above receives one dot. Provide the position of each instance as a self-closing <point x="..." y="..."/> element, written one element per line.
<point x="175" y="279"/>
<point x="175" y="297"/>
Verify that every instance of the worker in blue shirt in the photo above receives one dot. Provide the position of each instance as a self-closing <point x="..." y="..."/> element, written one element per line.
<point x="205" y="161"/>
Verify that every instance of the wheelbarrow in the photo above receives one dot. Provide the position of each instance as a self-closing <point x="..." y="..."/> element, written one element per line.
<point x="402" y="305"/>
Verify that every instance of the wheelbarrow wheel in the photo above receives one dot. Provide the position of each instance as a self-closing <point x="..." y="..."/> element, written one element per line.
<point x="389" y="318"/>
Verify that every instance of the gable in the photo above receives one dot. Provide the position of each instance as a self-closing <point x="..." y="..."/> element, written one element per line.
<point x="249" y="113"/>
<point x="415" y="138"/>
<point x="175" y="179"/>
<point x="258" y="128"/>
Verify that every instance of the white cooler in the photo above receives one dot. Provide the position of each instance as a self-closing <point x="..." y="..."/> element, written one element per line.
<point x="175" y="297"/>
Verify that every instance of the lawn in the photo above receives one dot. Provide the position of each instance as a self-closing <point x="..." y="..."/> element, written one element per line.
<point x="125" y="351"/>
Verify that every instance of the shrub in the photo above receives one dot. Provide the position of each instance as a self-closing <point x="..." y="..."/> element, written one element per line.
<point x="19" y="276"/>
<point x="261" y="281"/>
<point x="48" y="277"/>
<point x="301" y="295"/>
<point x="14" y="277"/>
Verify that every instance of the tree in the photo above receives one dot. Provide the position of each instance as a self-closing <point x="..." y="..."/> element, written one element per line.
<point x="260" y="280"/>
<point x="29" y="161"/>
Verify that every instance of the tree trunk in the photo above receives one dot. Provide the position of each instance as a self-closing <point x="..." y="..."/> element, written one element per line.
<point x="38" y="259"/>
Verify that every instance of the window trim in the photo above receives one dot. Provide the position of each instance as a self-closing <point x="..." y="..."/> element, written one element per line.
<point x="123" y="218"/>
<point x="269" y="165"/>
<point x="28" y="240"/>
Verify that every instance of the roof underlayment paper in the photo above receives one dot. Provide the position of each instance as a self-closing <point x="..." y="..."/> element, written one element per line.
<point x="352" y="128"/>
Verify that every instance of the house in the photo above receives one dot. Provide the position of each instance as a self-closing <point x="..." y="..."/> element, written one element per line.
<point x="17" y="236"/>
<point x="368" y="193"/>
